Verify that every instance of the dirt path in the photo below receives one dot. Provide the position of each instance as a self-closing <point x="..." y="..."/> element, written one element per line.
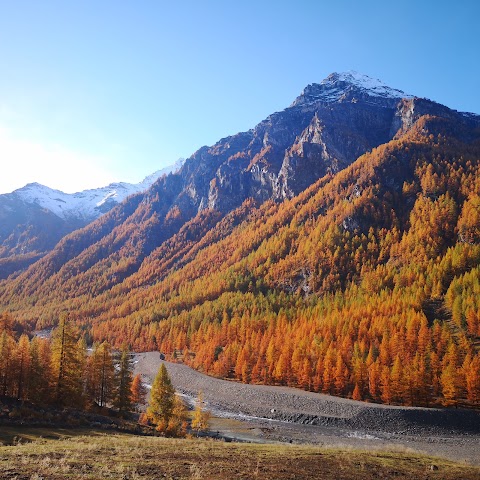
<point x="269" y="414"/>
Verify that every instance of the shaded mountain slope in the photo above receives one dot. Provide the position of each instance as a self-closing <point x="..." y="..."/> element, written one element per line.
<point x="34" y="218"/>
<point x="297" y="244"/>
<point x="325" y="129"/>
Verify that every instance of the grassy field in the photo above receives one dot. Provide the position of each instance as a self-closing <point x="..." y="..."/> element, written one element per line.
<point x="64" y="454"/>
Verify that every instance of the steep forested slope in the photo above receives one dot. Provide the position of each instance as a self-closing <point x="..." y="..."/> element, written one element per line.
<point x="325" y="129"/>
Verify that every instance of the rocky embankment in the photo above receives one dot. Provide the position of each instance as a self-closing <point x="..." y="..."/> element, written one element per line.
<point x="297" y="406"/>
<point x="289" y="414"/>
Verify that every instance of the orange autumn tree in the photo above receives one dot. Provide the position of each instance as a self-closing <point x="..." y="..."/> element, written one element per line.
<point x="138" y="392"/>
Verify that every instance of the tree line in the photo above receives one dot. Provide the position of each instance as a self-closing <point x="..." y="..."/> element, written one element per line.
<point x="59" y="371"/>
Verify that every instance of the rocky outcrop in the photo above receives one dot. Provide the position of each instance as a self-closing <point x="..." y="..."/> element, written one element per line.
<point x="325" y="129"/>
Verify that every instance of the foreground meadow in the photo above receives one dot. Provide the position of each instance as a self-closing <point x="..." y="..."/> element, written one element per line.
<point x="61" y="454"/>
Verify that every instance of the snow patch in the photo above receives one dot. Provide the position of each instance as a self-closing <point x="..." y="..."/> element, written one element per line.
<point x="86" y="205"/>
<point x="338" y="85"/>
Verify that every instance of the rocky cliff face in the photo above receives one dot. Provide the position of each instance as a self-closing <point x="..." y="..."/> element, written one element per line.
<point x="324" y="130"/>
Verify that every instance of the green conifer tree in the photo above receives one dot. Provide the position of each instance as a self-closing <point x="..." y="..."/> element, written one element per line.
<point x="123" y="383"/>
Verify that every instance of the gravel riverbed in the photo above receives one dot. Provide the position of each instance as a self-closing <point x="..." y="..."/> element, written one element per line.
<point x="281" y="414"/>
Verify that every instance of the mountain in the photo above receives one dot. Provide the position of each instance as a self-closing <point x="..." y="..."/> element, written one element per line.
<point x="87" y="205"/>
<point x="325" y="129"/>
<point x="335" y="247"/>
<point x="34" y="218"/>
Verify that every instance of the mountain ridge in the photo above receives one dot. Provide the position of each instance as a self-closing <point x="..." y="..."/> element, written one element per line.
<point x="91" y="203"/>
<point x="344" y="86"/>
<point x="35" y="217"/>
<point x="266" y="162"/>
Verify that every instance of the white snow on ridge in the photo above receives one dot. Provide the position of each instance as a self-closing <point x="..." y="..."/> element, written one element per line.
<point x="336" y="85"/>
<point x="87" y="204"/>
<point x="371" y="85"/>
<point x="471" y="115"/>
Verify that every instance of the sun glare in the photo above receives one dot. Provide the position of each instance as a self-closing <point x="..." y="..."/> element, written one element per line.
<point x="52" y="165"/>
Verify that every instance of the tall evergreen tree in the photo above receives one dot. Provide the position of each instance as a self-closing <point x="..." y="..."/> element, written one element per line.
<point x="92" y="375"/>
<point x="22" y="367"/>
<point x="7" y="346"/>
<point x="123" y="383"/>
<point x="101" y="374"/>
<point x="138" y="392"/>
<point x="107" y="374"/>
<point x="40" y="371"/>
<point x="81" y="367"/>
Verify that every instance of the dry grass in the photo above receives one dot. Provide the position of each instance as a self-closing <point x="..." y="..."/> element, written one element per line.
<point x="14" y="435"/>
<point x="107" y="456"/>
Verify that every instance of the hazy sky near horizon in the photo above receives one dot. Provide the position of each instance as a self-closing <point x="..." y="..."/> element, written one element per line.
<point x="93" y="92"/>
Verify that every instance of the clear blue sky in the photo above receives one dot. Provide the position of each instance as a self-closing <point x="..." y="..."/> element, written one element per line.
<point x="96" y="91"/>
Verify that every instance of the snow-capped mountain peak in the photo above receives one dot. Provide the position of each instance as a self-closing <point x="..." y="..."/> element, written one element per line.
<point x="348" y="86"/>
<point x="88" y="204"/>
<point x="151" y="179"/>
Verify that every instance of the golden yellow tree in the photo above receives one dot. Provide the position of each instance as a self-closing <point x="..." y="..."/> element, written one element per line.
<point x="66" y="365"/>
<point x="162" y="400"/>
<point x="201" y="417"/>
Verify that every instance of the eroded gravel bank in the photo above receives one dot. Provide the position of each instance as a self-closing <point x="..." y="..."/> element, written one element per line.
<point x="293" y="415"/>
